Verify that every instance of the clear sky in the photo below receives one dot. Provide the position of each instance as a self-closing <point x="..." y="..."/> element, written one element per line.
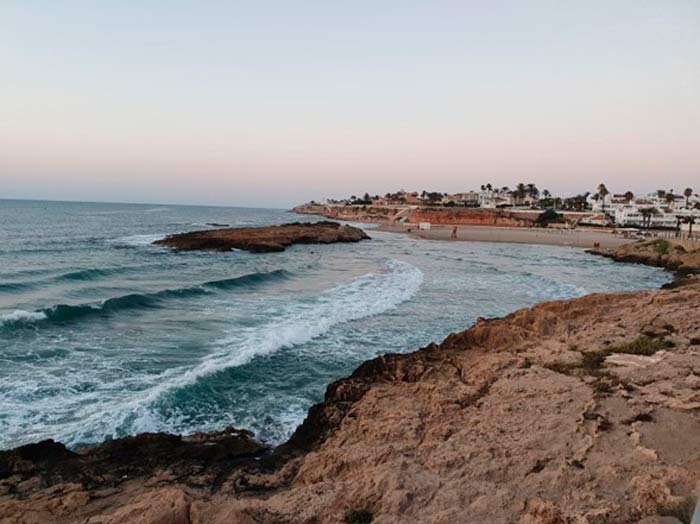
<point x="271" y="103"/>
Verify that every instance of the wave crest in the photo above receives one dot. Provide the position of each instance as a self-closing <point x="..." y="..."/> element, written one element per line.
<point x="62" y="313"/>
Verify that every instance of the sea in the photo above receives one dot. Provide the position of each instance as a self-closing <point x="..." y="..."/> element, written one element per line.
<point x="103" y="334"/>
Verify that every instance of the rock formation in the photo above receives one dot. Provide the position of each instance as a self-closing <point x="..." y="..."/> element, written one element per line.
<point x="680" y="256"/>
<point x="570" y="412"/>
<point x="264" y="239"/>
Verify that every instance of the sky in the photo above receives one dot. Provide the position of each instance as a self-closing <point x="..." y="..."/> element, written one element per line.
<point x="263" y="103"/>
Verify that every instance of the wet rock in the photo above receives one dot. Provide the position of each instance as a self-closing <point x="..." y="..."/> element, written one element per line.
<point x="264" y="239"/>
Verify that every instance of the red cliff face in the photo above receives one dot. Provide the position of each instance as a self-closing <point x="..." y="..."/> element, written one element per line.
<point x="472" y="217"/>
<point x="434" y="215"/>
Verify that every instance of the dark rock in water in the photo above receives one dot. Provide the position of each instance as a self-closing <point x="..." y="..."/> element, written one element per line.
<point x="114" y="461"/>
<point x="216" y="224"/>
<point x="264" y="239"/>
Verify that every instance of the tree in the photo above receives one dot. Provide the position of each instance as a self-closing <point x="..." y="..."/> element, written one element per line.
<point x="670" y="198"/>
<point x="647" y="213"/>
<point x="520" y="193"/>
<point x="532" y="190"/>
<point x="687" y="193"/>
<point x="603" y="192"/>
<point x="690" y="220"/>
<point x="629" y="196"/>
<point x="549" y="217"/>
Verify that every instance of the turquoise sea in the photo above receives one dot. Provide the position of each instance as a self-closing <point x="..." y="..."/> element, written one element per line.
<point x="104" y="335"/>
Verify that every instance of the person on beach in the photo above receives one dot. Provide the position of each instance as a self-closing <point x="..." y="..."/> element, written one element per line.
<point x="454" y="232"/>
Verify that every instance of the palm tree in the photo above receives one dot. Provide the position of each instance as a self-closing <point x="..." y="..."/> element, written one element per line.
<point x="679" y="219"/>
<point x="629" y="196"/>
<point x="687" y="194"/>
<point x="690" y="220"/>
<point x="670" y="198"/>
<point x="532" y="190"/>
<point x="520" y="192"/>
<point x="647" y="213"/>
<point x="603" y="192"/>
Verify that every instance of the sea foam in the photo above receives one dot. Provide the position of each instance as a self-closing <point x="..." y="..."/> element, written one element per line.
<point x="96" y="416"/>
<point x="19" y="316"/>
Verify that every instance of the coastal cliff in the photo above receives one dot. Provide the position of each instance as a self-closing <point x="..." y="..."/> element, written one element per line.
<point x="415" y="214"/>
<point x="577" y="411"/>
<point x="264" y="239"/>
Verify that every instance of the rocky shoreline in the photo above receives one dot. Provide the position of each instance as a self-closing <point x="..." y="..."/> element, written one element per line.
<point x="680" y="256"/>
<point x="577" y="411"/>
<point x="264" y="239"/>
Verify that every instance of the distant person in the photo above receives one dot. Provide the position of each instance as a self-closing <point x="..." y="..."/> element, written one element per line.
<point x="454" y="232"/>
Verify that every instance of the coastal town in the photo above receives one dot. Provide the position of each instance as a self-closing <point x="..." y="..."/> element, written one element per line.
<point x="663" y="211"/>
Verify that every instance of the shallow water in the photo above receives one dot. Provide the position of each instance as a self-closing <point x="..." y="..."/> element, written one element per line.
<point x="104" y="335"/>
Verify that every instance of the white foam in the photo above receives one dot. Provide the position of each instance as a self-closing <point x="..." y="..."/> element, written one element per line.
<point x="19" y="315"/>
<point x="95" y="416"/>
<point x="137" y="240"/>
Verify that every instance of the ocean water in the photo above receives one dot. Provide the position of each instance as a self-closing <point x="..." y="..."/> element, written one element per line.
<point x="104" y="335"/>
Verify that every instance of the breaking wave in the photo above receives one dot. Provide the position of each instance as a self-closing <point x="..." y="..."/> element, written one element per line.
<point x="63" y="313"/>
<point x="135" y="405"/>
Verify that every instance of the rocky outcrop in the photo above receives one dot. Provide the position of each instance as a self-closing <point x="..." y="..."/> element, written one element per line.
<point x="573" y="412"/>
<point x="264" y="239"/>
<point x="680" y="256"/>
<point x="416" y="214"/>
<point x="192" y="459"/>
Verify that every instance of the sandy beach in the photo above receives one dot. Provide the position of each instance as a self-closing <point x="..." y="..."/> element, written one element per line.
<point x="560" y="237"/>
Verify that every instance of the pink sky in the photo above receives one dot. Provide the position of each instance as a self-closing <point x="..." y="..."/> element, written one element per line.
<point x="246" y="106"/>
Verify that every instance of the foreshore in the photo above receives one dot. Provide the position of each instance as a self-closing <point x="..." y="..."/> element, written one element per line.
<point x="519" y="235"/>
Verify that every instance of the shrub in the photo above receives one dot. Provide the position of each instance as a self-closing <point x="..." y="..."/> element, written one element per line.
<point x="593" y="360"/>
<point x="642" y="345"/>
<point x="358" y="516"/>
<point x="661" y="247"/>
<point x="548" y="217"/>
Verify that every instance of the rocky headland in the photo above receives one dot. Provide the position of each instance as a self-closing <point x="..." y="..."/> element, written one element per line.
<point x="680" y="256"/>
<point x="584" y="411"/>
<point x="264" y="239"/>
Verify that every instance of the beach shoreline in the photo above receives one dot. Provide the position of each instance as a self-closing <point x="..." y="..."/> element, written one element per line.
<point x="515" y="235"/>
